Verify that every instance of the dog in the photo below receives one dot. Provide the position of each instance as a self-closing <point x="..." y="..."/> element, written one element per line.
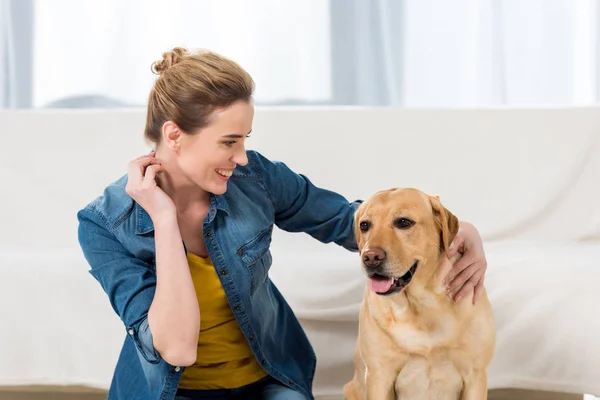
<point x="414" y="341"/>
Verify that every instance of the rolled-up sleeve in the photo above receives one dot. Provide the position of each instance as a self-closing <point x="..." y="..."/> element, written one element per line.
<point x="129" y="282"/>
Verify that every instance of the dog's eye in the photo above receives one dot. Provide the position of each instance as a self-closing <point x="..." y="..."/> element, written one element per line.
<point x="403" y="223"/>
<point x="364" y="226"/>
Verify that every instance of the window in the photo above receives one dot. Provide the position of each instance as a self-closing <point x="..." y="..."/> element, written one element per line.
<point x="414" y="53"/>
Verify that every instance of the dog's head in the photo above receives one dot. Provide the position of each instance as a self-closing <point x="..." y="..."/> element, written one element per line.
<point x="399" y="233"/>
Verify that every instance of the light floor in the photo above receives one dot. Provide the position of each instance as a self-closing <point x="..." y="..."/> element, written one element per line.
<point x="81" y="393"/>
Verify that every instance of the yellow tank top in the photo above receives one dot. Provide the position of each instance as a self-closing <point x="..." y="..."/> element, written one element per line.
<point x="224" y="359"/>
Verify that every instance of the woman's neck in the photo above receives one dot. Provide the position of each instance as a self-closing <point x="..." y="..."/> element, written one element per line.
<point x="185" y="194"/>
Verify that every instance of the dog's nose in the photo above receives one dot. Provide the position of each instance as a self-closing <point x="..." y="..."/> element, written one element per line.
<point x="373" y="257"/>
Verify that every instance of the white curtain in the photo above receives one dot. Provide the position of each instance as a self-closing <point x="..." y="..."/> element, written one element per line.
<point x="467" y="53"/>
<point x="367" y="51"/>
<point x="6" y="56"/>
<point x="497" y="52"/>
<point x="16" y="35"/>
<point x="414" y="53"/>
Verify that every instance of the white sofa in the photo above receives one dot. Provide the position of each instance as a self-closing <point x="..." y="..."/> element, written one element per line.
<point x="528" y="179"/>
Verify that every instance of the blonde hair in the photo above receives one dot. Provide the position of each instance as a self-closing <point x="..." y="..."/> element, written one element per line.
<point x="190" y="86"/>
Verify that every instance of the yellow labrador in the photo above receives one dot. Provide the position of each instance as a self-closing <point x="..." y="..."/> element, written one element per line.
<point x="414" y="341"/>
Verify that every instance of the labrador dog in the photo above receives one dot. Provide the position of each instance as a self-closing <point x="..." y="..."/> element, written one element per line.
<point x="414" y="341"/>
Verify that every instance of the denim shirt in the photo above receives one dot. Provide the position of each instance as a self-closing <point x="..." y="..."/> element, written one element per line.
<point x="117" y="239"/>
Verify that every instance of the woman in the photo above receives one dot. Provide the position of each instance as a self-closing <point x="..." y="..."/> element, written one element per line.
<point x="181" y="246"/>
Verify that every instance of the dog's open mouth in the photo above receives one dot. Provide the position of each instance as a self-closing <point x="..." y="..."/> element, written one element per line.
<point x="383" y="285"/>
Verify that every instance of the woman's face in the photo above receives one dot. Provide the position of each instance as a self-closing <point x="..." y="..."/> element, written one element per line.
<point x="208" y="158"/>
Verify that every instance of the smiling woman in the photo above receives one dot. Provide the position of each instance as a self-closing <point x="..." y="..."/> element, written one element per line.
<point x="162" y="242"/>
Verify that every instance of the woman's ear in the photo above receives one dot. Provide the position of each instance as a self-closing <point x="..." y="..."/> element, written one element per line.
<point x="171" y="135"/>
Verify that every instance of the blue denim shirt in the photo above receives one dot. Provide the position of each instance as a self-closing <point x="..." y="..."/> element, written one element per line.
<point x="117" y="239"/>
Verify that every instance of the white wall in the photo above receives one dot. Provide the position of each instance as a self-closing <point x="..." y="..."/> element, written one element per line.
<point x="518" y="173"/>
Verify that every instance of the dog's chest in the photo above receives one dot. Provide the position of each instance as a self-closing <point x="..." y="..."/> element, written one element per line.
<point x="422" y="379"/>
<point x="425" y="335"/>
<point x="428" y="370"/>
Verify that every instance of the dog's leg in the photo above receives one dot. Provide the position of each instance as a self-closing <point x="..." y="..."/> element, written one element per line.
<point x="355" y="389"/>
<point x="412" y="382"/>
<point x="351" y="391"/>
<point x="475" y="387"/>
<point x="380" y="384"/>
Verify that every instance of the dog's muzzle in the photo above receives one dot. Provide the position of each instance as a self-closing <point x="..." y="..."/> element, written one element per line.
<point x="384" y="285"/>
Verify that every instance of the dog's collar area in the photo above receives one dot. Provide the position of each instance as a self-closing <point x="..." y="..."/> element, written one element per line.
<point x="397" y="284"/>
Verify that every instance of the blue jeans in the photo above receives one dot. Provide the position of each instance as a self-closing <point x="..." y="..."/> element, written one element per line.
<point x="264" y="389"/>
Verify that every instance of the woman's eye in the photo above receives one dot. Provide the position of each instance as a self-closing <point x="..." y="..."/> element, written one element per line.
<point x="230" y="143"/>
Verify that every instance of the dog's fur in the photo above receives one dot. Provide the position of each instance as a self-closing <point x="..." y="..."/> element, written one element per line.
<point x="418" y="343"/>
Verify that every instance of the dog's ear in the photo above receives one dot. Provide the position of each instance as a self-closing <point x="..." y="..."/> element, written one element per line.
<point x="447" y="222"/>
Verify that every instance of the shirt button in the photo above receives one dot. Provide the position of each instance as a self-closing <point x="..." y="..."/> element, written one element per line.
<point x="209" y="234"/>
<point x="263" y="361"/>
<point x="238" y="308"/>
<point x="130" y="332"/>
<point x="177" y="369"/>
<point x="290" y="383"/>
<point x="223" y="271"/>
<point x="252" y="337"/>
<point x="240" y="252"/>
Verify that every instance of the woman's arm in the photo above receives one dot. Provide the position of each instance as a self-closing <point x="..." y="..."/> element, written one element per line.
<point x="300" y="206"/>
<point x="174" y="316"/>
<point x="159" y="307"/>
<point x="159" y="310"/>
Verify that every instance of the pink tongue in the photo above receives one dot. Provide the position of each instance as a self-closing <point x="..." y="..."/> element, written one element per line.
<point x="381" y="285"/>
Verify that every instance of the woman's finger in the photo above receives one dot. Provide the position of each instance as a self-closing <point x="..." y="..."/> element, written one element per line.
<point x="469" y="285"/>
<point x="150" y="174"/>
<point x="458" y="242"/>
<point x="137" y="167"/>
<point x="478" y="288"/>
<point x="459" y="267"/>
<point x="462" y="278"/>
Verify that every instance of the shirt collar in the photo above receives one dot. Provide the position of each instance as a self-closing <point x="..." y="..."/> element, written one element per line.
<point x="144" y="224"/>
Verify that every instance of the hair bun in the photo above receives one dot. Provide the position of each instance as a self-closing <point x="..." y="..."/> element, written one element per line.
<point x="169" y="58"/>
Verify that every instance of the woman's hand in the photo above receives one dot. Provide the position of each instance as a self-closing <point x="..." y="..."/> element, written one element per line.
<point x="469" y="271"/>
<point x="142" y="187"/>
